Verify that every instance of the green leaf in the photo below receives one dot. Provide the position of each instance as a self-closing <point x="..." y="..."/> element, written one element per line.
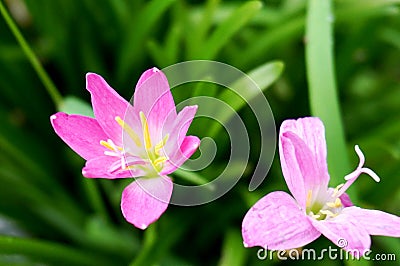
<point x="201" y="29"/>
<point x="136" y="32"/>
<point x="356" y="9"/>
<point x="74" y="105"/>
<point x="233" y="252"/>
<point x="391" y="36"/>
<point x="360" y="262"/>
<point x="274" y="36"/>
<point x="108" y="237"/>
<point x="224" y="32"/>
<point x="21" y="149"/>
<point x="166" y="54"/>
<point x="322" y="85"/>
<point x="50" y="252"/>
<point x="263" y="76"/>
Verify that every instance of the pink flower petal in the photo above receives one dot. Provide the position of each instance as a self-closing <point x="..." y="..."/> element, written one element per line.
<point x="276" y="222"/>
<point x="177" y="131"/>
<point x="345" y="231"/>
<point x="188" y="147"/>
<point x="376" y="222"/>
<point x="153" y="97"/>
<point x="108" y="104"/>
<point x="109" y="167"/>
<point x="297" y="165"/>
<point x="312" y="131"/>
<point x="145" y="199"/>
<point x="83" y="134"/>
<point x="302" y="151"/>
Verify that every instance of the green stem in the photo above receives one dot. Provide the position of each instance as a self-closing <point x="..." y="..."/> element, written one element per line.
<point x="47" y="82"/>
<point x="322" y="85"/>
<point x="95" y="198"/>
<point x="49" y="252"/>
<point x="157" y="242"/>
<point x="150" y="237"/>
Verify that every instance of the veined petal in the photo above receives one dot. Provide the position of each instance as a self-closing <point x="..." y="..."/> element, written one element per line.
<point x="109" y="167"/>
<point x="302" y="151"/>
<point x="145" y="199"/>
<point x="376" y="222"/>
<point x="153" y="97"/>
<point x="276" y="222"/>
<point x="291" y="170"/>
<point x="312" y="131"/>
<point x="188" y="147"/>
<point x="178" y="128"/>
<point x="345" y="231"/>
<point x="107" y="105"/>
<point x="83" y="134"/>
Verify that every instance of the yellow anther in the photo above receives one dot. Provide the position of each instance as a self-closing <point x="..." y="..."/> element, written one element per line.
<point x="330" y="204"/>
<point x="107" y="145"/>
<point x="328" y="213"/>
<point x="159" y="160"/>
<point x="309" y="198"/>
<point x="146" y="133"/>
<point x="129" y="130"/>
<point x="160" y="145"/>
<point x="316" y="216"/>
<point x="336" y="204"/>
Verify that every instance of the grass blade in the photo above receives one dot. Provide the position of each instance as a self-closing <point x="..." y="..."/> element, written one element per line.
<point x="229" y="27"/>
<point x="49" y="252"/>
<point x="322" y="85"/>
<point x="233" y="252"/>
<point x="263" y="76"/>
<point x="132" y="47"/>
<point x="47" y="82"/>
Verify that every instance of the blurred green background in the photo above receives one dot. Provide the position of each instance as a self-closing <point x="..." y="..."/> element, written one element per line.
<point x="51" y="215"/>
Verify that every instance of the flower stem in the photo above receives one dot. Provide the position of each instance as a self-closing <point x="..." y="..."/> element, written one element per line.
<point x="158" y="240"/>
<point x="150" y="237"/>
<point x="95" y="198"/>
<point x="47" y="82"/>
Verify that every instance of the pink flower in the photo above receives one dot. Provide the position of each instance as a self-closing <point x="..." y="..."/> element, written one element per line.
<point x="147" y="140"/>
<point x="279" y="221"/>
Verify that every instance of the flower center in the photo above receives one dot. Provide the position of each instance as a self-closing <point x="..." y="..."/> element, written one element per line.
<point x="154" y="153"/>
<point x="150" y="154"/>
<point x="329" y="205"/>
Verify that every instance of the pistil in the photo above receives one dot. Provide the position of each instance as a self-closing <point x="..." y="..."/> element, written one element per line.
<point x="356" y="173"/>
